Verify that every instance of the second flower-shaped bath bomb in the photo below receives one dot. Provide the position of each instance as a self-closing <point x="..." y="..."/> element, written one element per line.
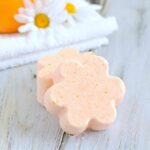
<point x="83" y="95"/>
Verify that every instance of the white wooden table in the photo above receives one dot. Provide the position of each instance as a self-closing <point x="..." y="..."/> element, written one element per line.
<point x="25" y="125"/>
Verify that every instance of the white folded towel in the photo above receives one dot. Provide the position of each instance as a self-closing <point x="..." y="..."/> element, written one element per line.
<point x="18" y="49"/>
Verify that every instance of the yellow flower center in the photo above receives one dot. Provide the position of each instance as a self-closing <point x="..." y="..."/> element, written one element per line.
<point x="41" y="20"/>
<point x="70" y="8"/>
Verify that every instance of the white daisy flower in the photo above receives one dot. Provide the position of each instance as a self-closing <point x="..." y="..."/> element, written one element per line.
<point x="80" y="10"/>
<point x="42" y="14"/>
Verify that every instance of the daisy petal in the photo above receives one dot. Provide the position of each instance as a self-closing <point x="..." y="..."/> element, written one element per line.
<point x="21" y="11"/>
<point x="38" y="5"/>
<point x="27" y="11"/>
<point x="23" y="18"/>
<point x="28" y="4"/>
<point x="23" y="29"/>
<point x="26" y="28"/>
<point x="30" y="12"/>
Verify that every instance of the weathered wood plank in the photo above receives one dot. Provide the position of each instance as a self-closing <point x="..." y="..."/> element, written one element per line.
<point x="24" y="124"/>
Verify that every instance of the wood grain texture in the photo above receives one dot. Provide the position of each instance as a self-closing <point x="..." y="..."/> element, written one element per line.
<point x="25" y="125"/>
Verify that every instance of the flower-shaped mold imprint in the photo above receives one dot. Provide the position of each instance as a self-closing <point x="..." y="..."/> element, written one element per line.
<point x="84" y="96"/>
<point x="48" y="64"/>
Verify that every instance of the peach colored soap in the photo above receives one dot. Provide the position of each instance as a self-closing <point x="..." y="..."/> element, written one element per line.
<point x="48" y="64"/>
<point x="84" y="96"/>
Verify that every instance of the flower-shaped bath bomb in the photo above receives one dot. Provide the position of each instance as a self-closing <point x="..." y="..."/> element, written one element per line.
<point x="48" y="64"/>
<point x="84" y="96"/>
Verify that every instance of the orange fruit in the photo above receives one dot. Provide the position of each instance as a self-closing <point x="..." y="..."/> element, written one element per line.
<point x="8" y="8"/>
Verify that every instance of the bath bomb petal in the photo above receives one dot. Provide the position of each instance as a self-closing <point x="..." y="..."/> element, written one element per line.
<point x="54" y="61"/>
<point x="116" y="92"/>
<point x="105" y="119"/>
